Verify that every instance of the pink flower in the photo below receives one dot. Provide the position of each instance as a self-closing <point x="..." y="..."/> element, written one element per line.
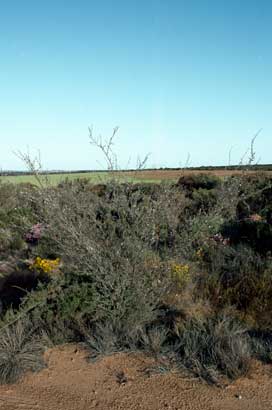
<point x="34" y="233"/>
<point x="218" y="238"/>
<point x="255" y="218"/>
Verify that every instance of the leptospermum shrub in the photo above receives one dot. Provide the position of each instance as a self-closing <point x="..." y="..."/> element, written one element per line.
<point x="107" y="239"/>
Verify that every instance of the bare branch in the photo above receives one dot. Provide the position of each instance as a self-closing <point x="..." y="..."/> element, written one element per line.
<point x="230" y="153"/>
<point x="142" y="163"/>
<point x="252" y="150"/>
<point x="106" y="146"/>
<point x="33" y="164"/>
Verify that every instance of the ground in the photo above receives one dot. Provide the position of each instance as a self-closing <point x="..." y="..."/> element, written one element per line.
<point x="126" y="176"/>
<point x="122" y="382"/>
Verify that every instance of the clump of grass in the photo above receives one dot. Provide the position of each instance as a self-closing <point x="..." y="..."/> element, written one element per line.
<point x="213" y="347"/>
<point x="261" y="343"/>
<point x="105" y="339"/>
<point x="155" y="340"/>
<point x="20" y="351"/>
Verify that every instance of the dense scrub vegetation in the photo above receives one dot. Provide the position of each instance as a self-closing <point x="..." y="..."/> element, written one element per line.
<point x="182" y="271"/>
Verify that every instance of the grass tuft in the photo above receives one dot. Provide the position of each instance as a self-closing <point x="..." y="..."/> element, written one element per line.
<point x="20" y="351"/>
<point x="213" y="347"/>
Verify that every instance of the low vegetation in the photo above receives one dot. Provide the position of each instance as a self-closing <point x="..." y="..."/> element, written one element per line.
<point x="182" y="271"/>
<point x="20" y="351"/>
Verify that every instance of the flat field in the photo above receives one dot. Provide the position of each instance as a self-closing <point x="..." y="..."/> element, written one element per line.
<point x="147" y="175"/>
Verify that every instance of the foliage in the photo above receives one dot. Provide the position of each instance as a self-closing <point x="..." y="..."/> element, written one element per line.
<point x="20" y="351"/>
<point x="199" y="181"/>
<point x="121" y="266"/>
<point x="215" y="346"/>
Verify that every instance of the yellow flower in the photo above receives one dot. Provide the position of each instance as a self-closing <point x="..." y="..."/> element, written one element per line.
<point x="45" y="265"/>
<point x="200" y="253"/>
<point x="181" y="273"/>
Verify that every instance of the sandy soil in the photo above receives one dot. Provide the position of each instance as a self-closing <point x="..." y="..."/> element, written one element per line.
<point x="121" y="382"/>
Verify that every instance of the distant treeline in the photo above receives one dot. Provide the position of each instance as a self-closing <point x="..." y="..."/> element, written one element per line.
<point x="258" y="167"/>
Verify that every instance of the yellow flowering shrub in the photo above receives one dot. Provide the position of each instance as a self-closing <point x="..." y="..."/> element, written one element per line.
<point x="45" y="265"/>
<point x="200" y="253"/>
<point x="181" y="273"/>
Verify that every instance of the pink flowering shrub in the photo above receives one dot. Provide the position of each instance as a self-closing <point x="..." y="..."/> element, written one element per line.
<point x="34" y="234"/>
<point x="219" y="238"/>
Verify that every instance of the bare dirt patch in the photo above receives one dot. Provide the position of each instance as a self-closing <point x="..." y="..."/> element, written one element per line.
<point x="121" y="382"/>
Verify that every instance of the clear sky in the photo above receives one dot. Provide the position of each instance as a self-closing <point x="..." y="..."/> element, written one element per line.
<point x="176" y="76"/>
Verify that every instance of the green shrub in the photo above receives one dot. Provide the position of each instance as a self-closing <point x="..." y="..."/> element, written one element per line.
<point x="202" y="200"/>
<point x="239" y="277"/>
<point x="16" y="284"/>
<point x="198" y="181"/>
<point x="106" y="240"/>
<point x="256" y="196"/>
<point x="59" y="305"/>
<point x="256" y="234"/>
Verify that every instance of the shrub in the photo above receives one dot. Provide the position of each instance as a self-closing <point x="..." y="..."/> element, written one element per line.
<point x="34" y="234"/>
<point x="124" y="266"/>
<point x="202" y="199"/>
<point x="256" y="195"/>
<point x="195" y="232"/>
<point x="239" y="277"/>
<point x="199" y="181"/>
<point x="55" y="308"/>
<point x="254" y="232"/>
<point x="107" y="240"/>
<point x="181" y="274"/>
<point x="15" y="284"/>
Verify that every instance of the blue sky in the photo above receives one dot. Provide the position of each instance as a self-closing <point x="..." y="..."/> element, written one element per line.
<point x="176" y="76"/>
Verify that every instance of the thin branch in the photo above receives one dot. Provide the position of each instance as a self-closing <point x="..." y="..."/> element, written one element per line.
<point x="34" y="164"/>
<point x="142" y="163"/>
<point x="106" y="146"/>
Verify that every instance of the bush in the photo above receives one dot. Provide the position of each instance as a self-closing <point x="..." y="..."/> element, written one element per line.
<point x="256" y="234"/>
<point x="199" y="181"/>
<point x="238" y="277"/>
<point x="16" y="284"/>
<point x="107" y="240"/>
<point x="203" y="199"/>
<point x="56" y="308"/>
<point x="256" y="196"/>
